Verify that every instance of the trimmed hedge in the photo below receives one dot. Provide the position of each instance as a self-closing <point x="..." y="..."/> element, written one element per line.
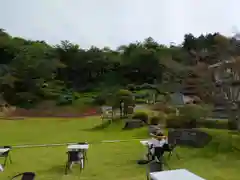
<point x="216" y="124"/>
<point x="160" y="106"/>
<point x="157" y="119"/>
<point x="174" y="121"/>
<point x="181" y="122"/>
<point x="141" y="115"/>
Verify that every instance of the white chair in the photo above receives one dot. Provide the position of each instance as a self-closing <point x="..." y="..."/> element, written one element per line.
<point x="107" y="113"/>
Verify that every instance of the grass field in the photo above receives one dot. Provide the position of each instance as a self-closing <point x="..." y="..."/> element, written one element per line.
<point x="107" y="160"/>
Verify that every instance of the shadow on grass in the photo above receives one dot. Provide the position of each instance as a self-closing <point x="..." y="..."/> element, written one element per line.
<point x="115" y="123"/>
<point x="59" y="169"/>
<point x="99" y="127"/>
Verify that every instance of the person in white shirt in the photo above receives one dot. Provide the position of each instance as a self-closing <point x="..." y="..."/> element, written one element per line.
<point x="158" y="140"/>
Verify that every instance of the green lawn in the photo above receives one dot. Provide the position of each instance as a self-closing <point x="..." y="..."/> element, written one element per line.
<point x="107" y="160"/>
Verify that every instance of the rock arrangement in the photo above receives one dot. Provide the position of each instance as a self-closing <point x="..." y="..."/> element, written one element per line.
<point x="189" y="137"/>
<point x="133" y="124"/>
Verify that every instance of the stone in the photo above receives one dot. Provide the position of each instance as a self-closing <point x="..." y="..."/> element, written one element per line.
<point x="133" y="124"/>
<point x="189" y="137"/>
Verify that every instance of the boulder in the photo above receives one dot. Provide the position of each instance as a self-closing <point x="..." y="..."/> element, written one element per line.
<point x="189" y="137"/>
<point x="133" y="124"/>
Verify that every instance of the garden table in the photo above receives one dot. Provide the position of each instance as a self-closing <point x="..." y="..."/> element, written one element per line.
<point x="179" y="174"/>
<point x="81" y="150"/>
<point x="3" y="151"/>
<point x="77" y="147"/>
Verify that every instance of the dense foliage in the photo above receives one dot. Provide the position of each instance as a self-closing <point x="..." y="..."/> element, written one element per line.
<point x="32" y="71"/>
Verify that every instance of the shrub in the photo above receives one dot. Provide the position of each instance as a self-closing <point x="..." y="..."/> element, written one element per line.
<point x="216" y="124"/>
<point x="101" y="99"/>
<point x="164" y="108"/>
<point x="174" y="121"/>
<point x="65" y="100"/>
<point x="141" y="115"/>
<point x="157" y="119"/>
<point x="148" y="86"/>
<point x="130" y="110"/>
<point x="140" y="101"/>
<point x="123" y="95"/>
<point x="194" y="112"/>
<point x="131" y="87"/>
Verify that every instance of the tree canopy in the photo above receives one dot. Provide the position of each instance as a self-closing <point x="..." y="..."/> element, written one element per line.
<point x="32" y="71"/>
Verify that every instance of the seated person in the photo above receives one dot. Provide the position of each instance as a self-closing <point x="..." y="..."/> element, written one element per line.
<point x="158" y="141"/>
<point x="159" y="137"/>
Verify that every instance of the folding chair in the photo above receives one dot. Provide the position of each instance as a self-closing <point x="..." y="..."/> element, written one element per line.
<point x="170" y="147"/>
<point x="6" y="154"/>
<point x="83" y="151"/>
<point x="157" y="163"/>
<point x="25" y="176"/>
<point x="107" y="114"/>
<point x="74" y="157"/>
<point x="159" y="156"/>
<point x="149" y="154"/>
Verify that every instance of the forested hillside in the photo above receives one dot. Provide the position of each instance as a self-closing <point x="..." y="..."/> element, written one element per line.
<point x="33" y="71"/>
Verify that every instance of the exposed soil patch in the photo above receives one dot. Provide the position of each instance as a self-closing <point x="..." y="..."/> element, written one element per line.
<point x="56" y="112"/>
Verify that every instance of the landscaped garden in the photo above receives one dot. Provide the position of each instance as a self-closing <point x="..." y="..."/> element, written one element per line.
<point x="60" y="94"/>
<point x="118" y="160"/>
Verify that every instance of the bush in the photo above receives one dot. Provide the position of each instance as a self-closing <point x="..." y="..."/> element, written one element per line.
<point x="174" y="121"/>
<point x="123" y="95"/>
<point x="141" y="115"/>
<point x="130" y="110"/>
<point x="216" y="124"/>
<point x="101" y="99"/>
<point x="140" y="101"/>
<point x="148" y="86"/>
<point x="131" y="87"/>
<point x="164" y="108"/>
<point x="157" y="119"/>
<point x="191" y="114"/>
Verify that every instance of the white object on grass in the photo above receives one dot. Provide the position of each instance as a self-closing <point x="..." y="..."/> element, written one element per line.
<point x="154" y="142"/>
<point x="1" y="168"/>
<point x="179" y="174"/>
<point x="3" y="150"/>
<point x="78" y="146"/>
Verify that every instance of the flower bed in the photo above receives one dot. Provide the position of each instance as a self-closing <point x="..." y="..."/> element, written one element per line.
<point x="53" y="113"/>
